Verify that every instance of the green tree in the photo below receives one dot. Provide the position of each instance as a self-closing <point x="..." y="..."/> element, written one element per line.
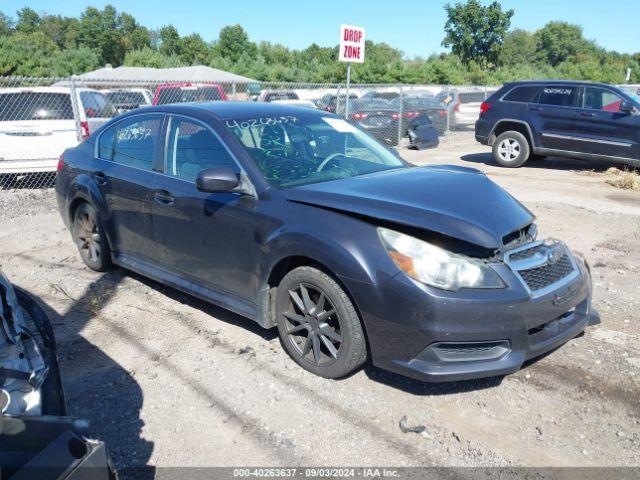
<point x="169" y="40"/>
<point x="194" y="50"/>
<point x="6" y="25"/>
<point x="98" y="30"/>
<point x="233" y="42"/>
<point x="28" y="21"/>
<point x="519" y="47"/>
<point x="148" y="57"/>
<point x="475" y="32"/>
<point x="557" y="42"/>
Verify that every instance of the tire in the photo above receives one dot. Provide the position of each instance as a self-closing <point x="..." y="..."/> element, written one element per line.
<point x="511" y="149"/>
<point x="90" y="239"/>
<point x="332" y="346"/>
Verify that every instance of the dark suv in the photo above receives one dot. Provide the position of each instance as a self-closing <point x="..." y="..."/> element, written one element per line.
<point x="531" y="120"/>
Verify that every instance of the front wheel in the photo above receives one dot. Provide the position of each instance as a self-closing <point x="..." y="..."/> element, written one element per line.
<point x="511" y="149"/>
<point x="318" y="324"/>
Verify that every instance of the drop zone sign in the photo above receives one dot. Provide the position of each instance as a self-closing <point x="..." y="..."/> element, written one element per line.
<point x="351" y="44"/>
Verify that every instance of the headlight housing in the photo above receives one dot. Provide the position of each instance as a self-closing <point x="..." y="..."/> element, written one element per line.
<point x="435" y="266"/>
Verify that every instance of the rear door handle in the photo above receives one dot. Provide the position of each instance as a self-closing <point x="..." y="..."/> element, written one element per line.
<point x="587" y="114"/>
<point x="163" y="197"/>
<point x="535" y="107"/>
<point x="101" y="178"/>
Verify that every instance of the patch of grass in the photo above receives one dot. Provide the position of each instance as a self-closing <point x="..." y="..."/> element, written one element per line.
<point x="626" y="179"/>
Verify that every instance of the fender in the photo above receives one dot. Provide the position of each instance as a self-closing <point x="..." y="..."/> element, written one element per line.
<point x="492" y="135"/>
<point x="351" y="261"/>
<point x="83" y="187"/>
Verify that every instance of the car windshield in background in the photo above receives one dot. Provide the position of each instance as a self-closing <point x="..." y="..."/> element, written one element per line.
<point x="293" y="151"/>
<point x="126" y="98"/>
<point x="35" y="106"/>
<point x="97" y="105"/>
<point x="188" y="94"/>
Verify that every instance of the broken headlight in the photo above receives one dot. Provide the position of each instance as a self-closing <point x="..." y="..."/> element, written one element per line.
<point x="435" y="266"/>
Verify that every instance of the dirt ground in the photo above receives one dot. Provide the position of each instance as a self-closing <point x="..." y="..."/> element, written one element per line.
<point x="168" y="380"/>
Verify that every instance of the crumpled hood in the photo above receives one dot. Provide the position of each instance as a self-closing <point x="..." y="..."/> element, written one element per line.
<point x="455" y="201"/>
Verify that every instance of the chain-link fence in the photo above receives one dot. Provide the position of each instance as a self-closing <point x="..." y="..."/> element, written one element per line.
<point x="41" y="117"/>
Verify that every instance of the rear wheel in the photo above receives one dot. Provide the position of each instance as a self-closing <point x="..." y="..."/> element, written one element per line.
<point x="511" y="149"/>
<point x="318" y="324"/>
<point x="90" y="239"/>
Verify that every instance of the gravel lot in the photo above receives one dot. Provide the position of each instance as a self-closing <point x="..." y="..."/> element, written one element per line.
<point x="168" y="380"/>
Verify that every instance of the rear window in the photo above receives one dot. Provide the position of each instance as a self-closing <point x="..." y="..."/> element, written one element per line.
<point x="472" y="97"/>
<point x="273" y="96"/>
<point x="559" y="96"/>
<point x="188" y="94"/>
<point x="522" y="94"/>
<point x="35" y="106"/>
<point x="97" y="105"/>
<point x="126" y="98"/>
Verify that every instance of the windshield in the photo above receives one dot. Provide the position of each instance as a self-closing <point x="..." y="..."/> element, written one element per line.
<point x="35" y="106"/>
<point x="300" y="150"/>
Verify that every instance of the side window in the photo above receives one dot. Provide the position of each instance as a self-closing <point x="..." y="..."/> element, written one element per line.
<point x="559" y="96"/>
<point x="522" y="94"/>
<point x="132" y="142"/>
<point x="105" y="145"/>
<point x="601" y="99"/>
<point x="191" y="148"/>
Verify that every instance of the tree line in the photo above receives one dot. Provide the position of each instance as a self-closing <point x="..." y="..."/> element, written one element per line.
<point x="484" y="51"/>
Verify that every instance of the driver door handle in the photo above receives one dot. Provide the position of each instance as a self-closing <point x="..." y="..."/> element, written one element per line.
<point x="163" y="197"/>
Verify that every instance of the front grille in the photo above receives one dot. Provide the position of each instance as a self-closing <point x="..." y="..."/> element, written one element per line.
<point x="548" y="274"/>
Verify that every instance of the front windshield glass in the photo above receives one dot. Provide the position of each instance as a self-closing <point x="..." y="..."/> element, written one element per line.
<point x="299" y="150"/>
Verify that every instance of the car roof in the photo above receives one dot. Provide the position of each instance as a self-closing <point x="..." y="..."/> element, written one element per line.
<point x="560" y="82"/>
<point x="228" y="110"/>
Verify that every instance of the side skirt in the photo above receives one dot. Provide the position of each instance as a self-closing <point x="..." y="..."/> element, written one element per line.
<point x="189" y="286"/>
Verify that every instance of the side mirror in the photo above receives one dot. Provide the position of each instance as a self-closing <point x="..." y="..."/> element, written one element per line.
<point x="626" y="107"/>
<point x="217" y="180"/>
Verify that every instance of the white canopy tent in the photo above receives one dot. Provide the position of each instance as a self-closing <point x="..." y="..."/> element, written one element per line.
<point x="198" y="73"/>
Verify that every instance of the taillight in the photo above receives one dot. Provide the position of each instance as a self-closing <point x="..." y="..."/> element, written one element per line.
<point x="359" y="116"/>
<point x="485" y="107"/>
<point x="60" y="163"/>
<point x="395" y="116"/>
<point x="411" y="114"/>
<point x="442" y="113"/>
<point x="456" y="107"/>
<point x="84" y="127"/>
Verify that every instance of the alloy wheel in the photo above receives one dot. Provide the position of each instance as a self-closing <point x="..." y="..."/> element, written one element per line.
<point x="88" y="238"/>
<point x="509" y="149"/>
<point x="313" y="325"/>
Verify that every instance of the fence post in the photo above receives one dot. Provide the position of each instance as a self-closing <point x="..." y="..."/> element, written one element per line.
<point x="234" y="91"/>
<point x="400" y="117"/>
<point x="75" y="107"/>
<point x="338" y="99"/>
<point x="447" y="131"/>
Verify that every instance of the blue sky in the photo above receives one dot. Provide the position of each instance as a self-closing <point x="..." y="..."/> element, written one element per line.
<point x="414" y="26"/>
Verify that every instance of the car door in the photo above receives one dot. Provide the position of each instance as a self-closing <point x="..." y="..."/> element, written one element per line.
<point x="552" y="116"/>
<point x="126" y="156"/>
<point x="206" y="237"/>
<point x="602" y="128"/>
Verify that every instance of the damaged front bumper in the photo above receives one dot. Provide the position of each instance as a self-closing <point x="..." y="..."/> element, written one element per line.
<point x="438" y="336"/>
<point x="37" y="438"/>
